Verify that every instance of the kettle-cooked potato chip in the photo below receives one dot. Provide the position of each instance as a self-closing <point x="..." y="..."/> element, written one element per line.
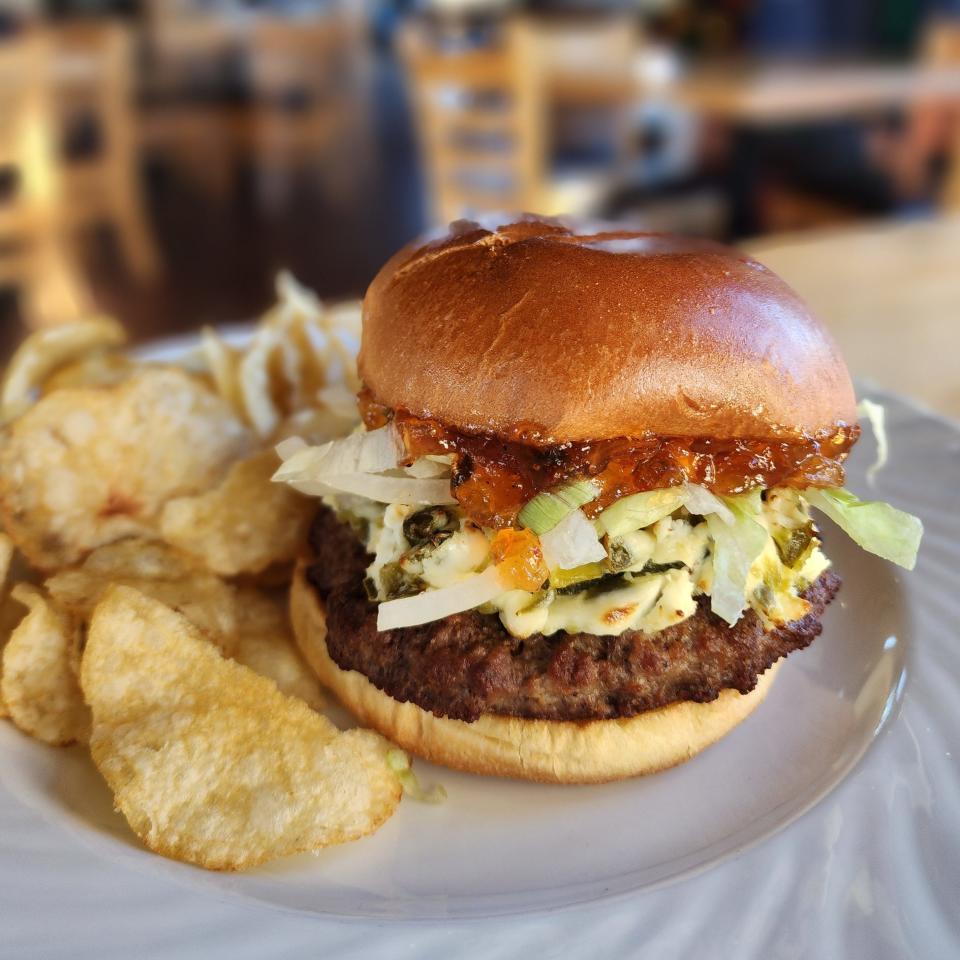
<point x="39" y="683"/>
<point x="223" y="362"/>
<point x="133" y="557"/>
<point x="158" y="571"/>
<point x="209" y="762"/>
<point x="245" y="524"/>
<point x="249" y="624"/>
<point x="6" y="559"/>
<point x="89" y="466"/>
<point x="13" y="570"/>
<point x="8" y="608"/>
<point x="265" y="644"/>
<point x="258" y="380"/>
<point x="98" y="369"/>
<point x="46" y="350"/>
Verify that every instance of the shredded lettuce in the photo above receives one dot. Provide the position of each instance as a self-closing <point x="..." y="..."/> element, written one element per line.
<point x="751" y="501"/>
<point x="572" y="543"/>
<point x="700" y="501"/>
<point x="876" y="415"/>
<point x="639" y="510"/>
<point x="547" y="509"/>
<point x="736" y="545"/>
<point x="874" y="525"/>
<point x="399" y="763"/>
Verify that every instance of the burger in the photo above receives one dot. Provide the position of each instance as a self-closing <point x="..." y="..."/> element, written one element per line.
<point x="572" y="540"/>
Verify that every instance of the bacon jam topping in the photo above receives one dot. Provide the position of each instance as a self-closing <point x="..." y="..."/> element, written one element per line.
<point x="494" y="477"/>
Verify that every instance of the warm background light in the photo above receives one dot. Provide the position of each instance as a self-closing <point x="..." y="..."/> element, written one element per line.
<point x="161" y="159"/>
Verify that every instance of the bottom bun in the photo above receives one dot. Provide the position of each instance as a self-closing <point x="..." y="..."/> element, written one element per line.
<point x="549" y="751"/>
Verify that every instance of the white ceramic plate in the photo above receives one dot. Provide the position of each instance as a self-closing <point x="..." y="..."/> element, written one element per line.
<point x="844" y="784"/>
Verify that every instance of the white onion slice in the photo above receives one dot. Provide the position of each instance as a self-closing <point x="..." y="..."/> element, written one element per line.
<point x="477" y="589"/>
<point x="571" y="543"/>
<point x="391" y="489"/>
<point x="424" y="469"/>
<point x="371" y="486"/>
<point x="310" y="489"/>
<point x="355" y="465"/>
<point x="287" y="448"/>
<point x="371" y="452"/>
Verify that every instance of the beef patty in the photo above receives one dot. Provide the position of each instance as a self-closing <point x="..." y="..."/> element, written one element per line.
<point x="468" y="664"/>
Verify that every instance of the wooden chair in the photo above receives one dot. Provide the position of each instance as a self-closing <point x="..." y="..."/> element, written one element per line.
<point x="480" y="117"/>
<point x="310" y="98"/>
<point x="589" y="64"/>
<point x="94" y="90"/>
<point x="188" y="48"/>
<point x="936" y="123"/>
<point x="187" y="63"/>
<point x="33" y="259"/>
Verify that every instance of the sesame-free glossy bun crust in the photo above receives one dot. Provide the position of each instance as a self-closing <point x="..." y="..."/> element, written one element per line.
<point x="548" y="751"/>
<point x="589" y="336"/>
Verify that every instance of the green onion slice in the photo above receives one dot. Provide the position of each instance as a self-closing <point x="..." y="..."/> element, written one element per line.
<point x="547" y="509"/>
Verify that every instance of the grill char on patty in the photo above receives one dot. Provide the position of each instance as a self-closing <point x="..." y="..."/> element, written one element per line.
<point x="468" y="664"/>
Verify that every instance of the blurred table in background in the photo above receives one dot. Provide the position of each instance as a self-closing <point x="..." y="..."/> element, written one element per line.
<point x="890" y="294"/>
<point x="776" y="94"/>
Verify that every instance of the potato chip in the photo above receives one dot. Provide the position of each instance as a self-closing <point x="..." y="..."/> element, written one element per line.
<point x="13" y="570"/>
<point x="6" y="560"/>
<point x="40" y="688"/>
<point x="257" y="381"/>
<point x="223" y="362"/>
<point x="46" y="350"/>
<point x="159" y="572"/>
<point x="89" y="466"/>
<point x="9" y="609"/>
<point x="97" y="369"/>
<point x="299" y="348"/>
<point x="265" y="644"/>
<point x="150" y="559"/>
<point x="210" y="763"/>
<point x="244" y="525"/>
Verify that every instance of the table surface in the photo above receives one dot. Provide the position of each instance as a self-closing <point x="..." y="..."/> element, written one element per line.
<point x="763" y="95"/>
<point x="890" y="293"/>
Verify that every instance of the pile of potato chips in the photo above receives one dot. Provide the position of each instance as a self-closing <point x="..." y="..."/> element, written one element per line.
<point x="144" y="560"/>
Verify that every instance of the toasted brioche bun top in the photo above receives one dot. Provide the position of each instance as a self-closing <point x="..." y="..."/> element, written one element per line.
<point x="581" y="336"/>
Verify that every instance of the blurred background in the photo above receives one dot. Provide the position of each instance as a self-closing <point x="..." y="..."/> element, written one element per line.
<point x="161" y="159"/>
